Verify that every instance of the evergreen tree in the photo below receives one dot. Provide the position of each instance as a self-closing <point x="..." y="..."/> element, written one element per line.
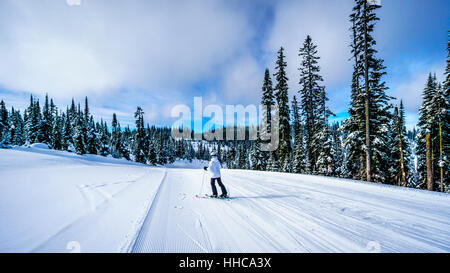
<point x="161" y="152"/>
<point x="398" y="139"/>
<point x="57" y="133"/>
<point x="46" y="124"/>
<point x="427" y="124"/>
<point x="92" y="140"/>
<point x="255" y="156"/>
<point x="4" y="124"/>
<point x="354" y="127"/>
<point x="337" y="151"/>
<point x="273" y="164"/>
<point x="298" y="164"/>
<point x="126" y="137"/>
<point x="267" y="99"/>
<point x="241" y="157"/>
<point x="104" y="139"/>
<point x="116" y="138"/>
<point x="16" y="134"/>
<point x="139" y="140"/>
<point x="32" y="122"/>
<point x="445" y="119"/>
<point x="323" y="140"/>
<point x="282" y="97"/>
<point x="441" y="102"/>
<point x="311" y="96"/>
<point x="78" y="138"/>
<point x="67" y="140"/>
<point x="152" y="155"/>
<point x="368" y="93"/>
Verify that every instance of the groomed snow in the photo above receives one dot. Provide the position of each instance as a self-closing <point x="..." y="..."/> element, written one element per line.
<point x="53" y="201"/>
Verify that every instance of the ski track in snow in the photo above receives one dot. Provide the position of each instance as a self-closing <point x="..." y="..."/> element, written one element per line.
<point x="270" y="213"/>
<point x="110" y="205"/>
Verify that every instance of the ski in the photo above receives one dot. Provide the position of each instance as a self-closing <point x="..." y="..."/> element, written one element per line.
<point x="210" y="197"/>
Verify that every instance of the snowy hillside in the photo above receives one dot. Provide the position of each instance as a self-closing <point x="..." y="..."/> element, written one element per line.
<point x="54" y="201"/>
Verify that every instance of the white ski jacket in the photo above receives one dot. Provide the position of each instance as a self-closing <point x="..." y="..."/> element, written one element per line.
<point x="214" y="167"/>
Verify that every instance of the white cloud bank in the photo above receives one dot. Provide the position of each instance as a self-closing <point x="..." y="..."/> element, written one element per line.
<point x="327" y="24"/>
<point x="98" y="46"/>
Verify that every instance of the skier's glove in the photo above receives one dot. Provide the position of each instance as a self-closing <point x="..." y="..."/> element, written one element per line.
<point x="205" y="168"/>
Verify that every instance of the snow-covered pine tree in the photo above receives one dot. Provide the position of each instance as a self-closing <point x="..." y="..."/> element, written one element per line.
<point x="92" y="139"/>
<point x="380" y="117"/>
<point x="354" y="127"/>
<point x="441" y="102"/>
<point x="445" y="119"/>
<point x="67" y="140"/>
<point x="247" y="164"/>
<point x="267" y="101"/>
<point x="104" y="137"/>
<point x="322" y="140"/>
<point x="273" y="165"/>
<point x="4" y="124"/>
<point x="311" y="92"/>
<point x="282" y="97"/>
<point x="241" y="159"/>
<point x="78" y="136"/>
<point x="33" y="121"/>
<point x="57" y="132"/>
<point x="171" y="152"/>
<point x="116" y="138"/>
<point x="219" y="152"/>
<point x="231" y="154"/>
<point x="126" y="139"/>
<point x="337" y="150"/>
<point x="371" y="90"/>
<point x="152" y="155"/>
<point x="255" y="155"/>
<point x="38" y="115"/>
<point x="298" y="164"/>
<point x="16" y="135"/>
<point x="46" y="125"/>
<point x="400" y="149"/>
<point x="161" y="151"/>
<point x="139" y="138"/>
<point x="427" y="124"/>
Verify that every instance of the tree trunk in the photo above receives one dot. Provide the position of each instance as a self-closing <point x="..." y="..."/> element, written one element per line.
<point x="429" y="170"/>
<point x="402" y="162"/>
<point x="366" y="108"/>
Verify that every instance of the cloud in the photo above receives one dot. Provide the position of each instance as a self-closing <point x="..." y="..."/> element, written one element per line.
<point x="160" y="53"/>
<point x="326" y="24"/>
<point x="242" y="81"/>
<point x="410" y="88"/>
<point x="101" y="46"/>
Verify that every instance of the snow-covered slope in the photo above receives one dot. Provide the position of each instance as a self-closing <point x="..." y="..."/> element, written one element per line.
<point x="56" y="201"/>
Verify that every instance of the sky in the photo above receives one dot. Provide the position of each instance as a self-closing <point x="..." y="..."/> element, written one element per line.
<point x="158" y="54"/>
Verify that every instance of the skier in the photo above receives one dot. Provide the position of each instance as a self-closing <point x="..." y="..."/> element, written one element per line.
<point x="214" y="169"/>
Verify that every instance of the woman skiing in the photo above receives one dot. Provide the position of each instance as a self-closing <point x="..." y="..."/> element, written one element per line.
<point x="214" y="170"/>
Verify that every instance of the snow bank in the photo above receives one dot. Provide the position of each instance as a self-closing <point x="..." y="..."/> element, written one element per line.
<point x="53" y="201"/>
<point x="40" y="146"/>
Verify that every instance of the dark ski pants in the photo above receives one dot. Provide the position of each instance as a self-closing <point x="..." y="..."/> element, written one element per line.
<point x="213" y="186"/>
